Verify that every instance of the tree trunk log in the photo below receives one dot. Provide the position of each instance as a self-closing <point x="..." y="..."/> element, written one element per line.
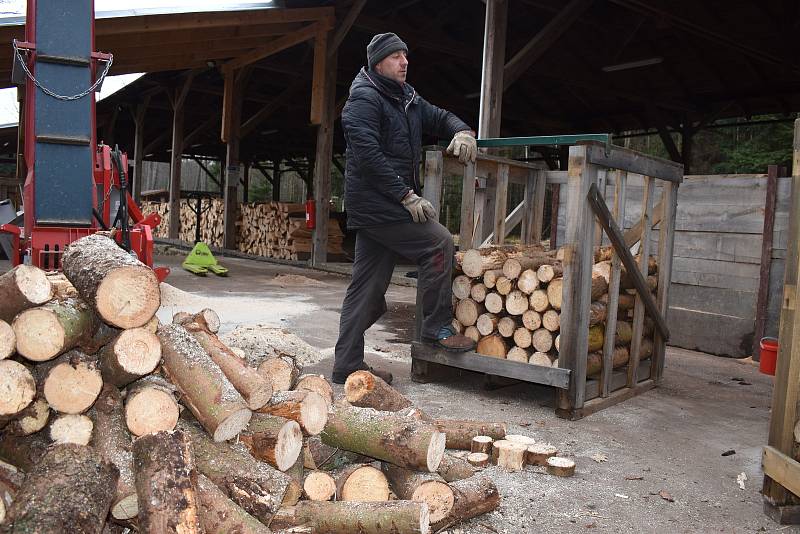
<point x="23" y="452"/>
<point x="546" y="272"/>
<point x="539" y="300"/>
<point x="453" y="468"/>
<point x="389" y="436"/>
<point x="317" y="455"/>
<point x="8" y="340"/>
<point x="30" y="420"/>
<point x="539" y="453"/>
<point x="150" y="407"/>
<point x="45" y="332"/>
<point x="131" y="355"/>
<point x="319" y="486"/>
<point x="540" y="358"/>
<point x="551" y="320"/>
<point x="594" y="361"/>
<point x="504" y="285"/>
<point x="72" y="428"/>
<point x="460" y="432"/>
<point x="475" y="262"/>
<point x="560" y="467"/>
<point x="17" y="388"/>
<point x="461" y="286"/>
<point x="597" y="313"/>
<point x="481" y="444"/>
<point x="428" y="488"/>
<point x="596" y="337"/>
<point x="274" y="440"/>
<point x="478" y="459"/>
<point x="113" y="442"/>
<point x="472" y="333"/>
<point x="23" y="287"/>
<point x="494" y="346"/>
<point x="527" y="282"/>
<point x="478" y="292"/>
<point x="255" y="486"/>
<point x="73" y="383"/>
<point x="518" y="354"/>
<point x="522" y="338"/>
<point x="490" y="277"/>
<point x="316" y="383"/>
<point x="253" y="387"/>
<point x="166" y="484"/>
<point x="340" y="517"/>
<point x="486" y="323"/>
<point x="365" y="390"/>
<point x="472" y="497"/>
<point x="220" y="515"/>
<point x="493" y="303"/>
<point x="206" y="318"/>
<point x="467" y="311"/>
<point x="510" y="455"/>
<point x="306" y="407"/>
<point x="122" y="290"/>
<point x="506" y="326"/>
<point x="361" y="483"/>
<point x="281" y="371"/>
<point x="68" y="488"/>
<point x="206" y="391"/>
<point x="554" y="289"/>
<point x="513" y="267"/>
<point x="542" y="340"/>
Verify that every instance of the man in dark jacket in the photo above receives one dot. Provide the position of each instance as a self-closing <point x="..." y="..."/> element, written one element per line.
<point x="383" y="121"/>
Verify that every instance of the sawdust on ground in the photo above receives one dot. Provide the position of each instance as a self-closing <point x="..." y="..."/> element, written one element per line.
<point x="295" y="280"/>
<point x="262" y="341"/>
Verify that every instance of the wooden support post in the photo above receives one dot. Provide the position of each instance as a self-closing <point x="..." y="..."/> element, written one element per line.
<point x="601" y="185"/>
<point x="766" y="259"/>
<point x="138" y="148"/>
<point x="666" y="242"/>
<point x="533" y="218"/>
<point x="467" y="232"/>
<point x="178" y="102"/>
<point x="235" y="81"/>
<point x="644" y="255"/>
<point x="501" y="195"/>
<point x="577" y="298"/>
<point x="433" y="179"/>
<point x="687" y="137"/>
<point x="246" y="183"/>
<point x="494" y="55"/>
<point x="554" y="204"/>
<point x="324" y="152"/>
<point x="785" y="394"/>
<point x="620" y="194"/>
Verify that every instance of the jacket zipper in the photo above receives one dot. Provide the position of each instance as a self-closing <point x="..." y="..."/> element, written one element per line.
<point x="414" y="182"/>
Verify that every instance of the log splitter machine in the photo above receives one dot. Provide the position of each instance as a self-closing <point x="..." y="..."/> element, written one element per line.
<point x="74" y="186"/>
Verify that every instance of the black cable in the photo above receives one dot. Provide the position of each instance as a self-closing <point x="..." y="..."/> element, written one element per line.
<point x="122" y="211"/>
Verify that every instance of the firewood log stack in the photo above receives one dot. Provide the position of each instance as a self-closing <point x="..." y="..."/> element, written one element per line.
<point x="271" y="229"/>
<point x="517" y="315"/>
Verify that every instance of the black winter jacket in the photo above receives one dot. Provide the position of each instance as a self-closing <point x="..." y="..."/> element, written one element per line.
<point x="383" y="123"/>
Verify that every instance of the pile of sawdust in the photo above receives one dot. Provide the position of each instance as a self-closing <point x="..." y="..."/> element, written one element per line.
<point x="295" y="280"/>
<point x="260" y="341"/>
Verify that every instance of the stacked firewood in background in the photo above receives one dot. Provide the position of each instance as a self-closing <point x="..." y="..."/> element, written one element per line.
<point x="270" y="229"/>
<point x="110" y="420"/>
<point x="508" y="299"/>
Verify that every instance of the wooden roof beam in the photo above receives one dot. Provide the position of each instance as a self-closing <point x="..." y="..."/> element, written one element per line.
<point x="275" y="46"/>
<point x="416" y="38"/>
<point x="542" y="41"/>
<point x="344" y="27"/>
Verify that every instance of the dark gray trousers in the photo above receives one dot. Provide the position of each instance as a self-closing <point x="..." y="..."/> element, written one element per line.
<point x="430" y="246"/>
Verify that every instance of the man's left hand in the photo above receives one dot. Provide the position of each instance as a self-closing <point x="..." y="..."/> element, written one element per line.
<point x="464" y="147"/>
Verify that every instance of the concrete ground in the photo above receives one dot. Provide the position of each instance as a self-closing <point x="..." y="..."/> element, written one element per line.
<point x="669" y="440"/>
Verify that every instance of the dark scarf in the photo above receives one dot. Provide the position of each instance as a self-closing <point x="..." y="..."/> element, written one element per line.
<point x="389" y="86"/>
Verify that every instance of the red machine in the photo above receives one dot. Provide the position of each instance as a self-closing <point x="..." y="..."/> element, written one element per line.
<point x="73" y="187"/>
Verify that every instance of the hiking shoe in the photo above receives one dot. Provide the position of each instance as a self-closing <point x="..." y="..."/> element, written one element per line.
<point x="386" y="376"/>
<point x="450" y="341"/>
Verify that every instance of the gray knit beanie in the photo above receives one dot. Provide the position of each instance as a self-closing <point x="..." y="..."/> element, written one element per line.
<point x="382" y="45"/>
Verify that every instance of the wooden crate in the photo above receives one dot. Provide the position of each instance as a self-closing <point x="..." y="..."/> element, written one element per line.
<point x="588" y="220"/>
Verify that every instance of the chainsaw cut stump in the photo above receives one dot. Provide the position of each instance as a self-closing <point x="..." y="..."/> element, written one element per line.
<point x="560" y="467"/>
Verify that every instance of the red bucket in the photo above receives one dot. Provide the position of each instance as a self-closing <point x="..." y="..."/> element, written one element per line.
<point x="769" y="355"/>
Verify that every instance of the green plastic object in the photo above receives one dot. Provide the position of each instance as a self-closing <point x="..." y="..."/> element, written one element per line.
<point x="200" y="261"/>
<point x="540" y="140"/>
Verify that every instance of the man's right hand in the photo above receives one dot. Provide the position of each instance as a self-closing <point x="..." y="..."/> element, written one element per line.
<point x="420" y="209"/>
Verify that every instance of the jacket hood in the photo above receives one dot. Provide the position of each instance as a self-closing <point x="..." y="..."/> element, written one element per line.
<point x="385" y="86"/>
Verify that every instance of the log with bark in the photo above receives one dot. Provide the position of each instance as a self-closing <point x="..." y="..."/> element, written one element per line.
<point x="538" y="453"/>
<point x="309" y="409"/>
<point x="541" y="358"/>
<point x="316" y="383"/>
<point x="467" y="311"/>
<point x="166" y="483"/>
<point x="122" y="290"/>
<point x="113" y="442"/>
<point x="539" y="300"/>
<point x="551" y="320"/>
<point x="472" y="497"/>
<point x="513" y="267"/>
<point x="8" y="340"/>
<point x="510" y="455"/>
<point x="504" y="285"/>
<point x="366" y="390"/>
<point x="542" y="340"/>
<point x="68" y="487"/>
<point x="461" y="286"/>
<point x="493" y="302"/>
<point x="486" y="323"/>
<point x="23" y="451"/>
<point x="475" y="262"/>
<point x="72" y="383"/>
<point x="560" y="467"/>
<point x="490" y="277"/>
<point x="460" y="432"/>
<point x="361" y="483"/>
<point x="341" y="517"/>
<point x="72" y="428"/>
<point x="522" y="339"/>
<point x="254" y="388"/>
<point x="516" y="303"/>
<point x="317" y="455"/>
<point x="428" y="488"/>
<point x="481" y="444"/>
<point x="527" y="281"/>
<point x="204" y="388"/>
<point x="518" y="354"/>
<point x="272" y="439"/>
<point x="389" y="436"/>
<point x="130" y="355"/>
<point x="30" y="420"/>
<point x="494" y="346"/>
<point x="220" y="515"/>
<point x="472" y="333"/>
<point x="547" y="272"/>
<point x="150" y="406"/>
<point x="554" y="289"/>
<point x="23" y="287"/>
<point x="507" y="325"/>
<point x="478" y="292"/>
<point x="11" y="479"/>
<point x="17" y="389"/>
<point x="596" y="337"/>
<point x="255" y="486"/>
<point x="453" y="468"/>
<point x="478" y="459"/>
<point x="45" y="332"/>
<point x="206" y="318"/>
<point x="319" y="486"/>
<point x="281" y="371"/>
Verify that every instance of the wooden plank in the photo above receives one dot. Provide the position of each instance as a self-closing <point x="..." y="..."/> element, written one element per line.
<point x="578" y="258"/>
<point x="276" y="45"/>
<point x="433" y="179"/>
<point x="346" y="24"/>
<point x="229" y="85"/>
<point x="138" y="148"/>
<point x="644" y="255"/>
<point x="713" y="300"/>
<point x="528" y="225"/>
<point x="501" y="197"/>
<point x="615" y="235"/>
<point x="710" y="332"/>
<point x="554" y="209"/>
<point x="712" y="273"/>
<point x="319" y="73"/>
<point x="494" y="56"/>
<point x="666" y="243"/>
<point x="781" y="468"/>
<point x="613" y="291"/>
<point x="550" y="376"/>
<point x="595" y="405"/>
<point x="512" y="220"/>
<point x="322" y="163"/>
<point x="601" y="186"/>
<point x="176" y="156"/>
<point x="766" y="258"/>
<point x="634" y="233"/>
<point x="619" y="381"/>
<point x="556" y="177"/>
<point x="633" y="161"/>
<point x="727" y="247"/>
<point x="465" y="241"/>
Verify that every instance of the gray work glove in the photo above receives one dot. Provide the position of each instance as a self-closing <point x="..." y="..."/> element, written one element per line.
<point x="420" y="209"/>
<point x="464" y="147"/>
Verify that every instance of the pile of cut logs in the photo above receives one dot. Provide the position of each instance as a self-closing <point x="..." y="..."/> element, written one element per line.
<point x="508" y="299"/>
<point x="111" y="421"/>
<point x="271" y="229"/>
